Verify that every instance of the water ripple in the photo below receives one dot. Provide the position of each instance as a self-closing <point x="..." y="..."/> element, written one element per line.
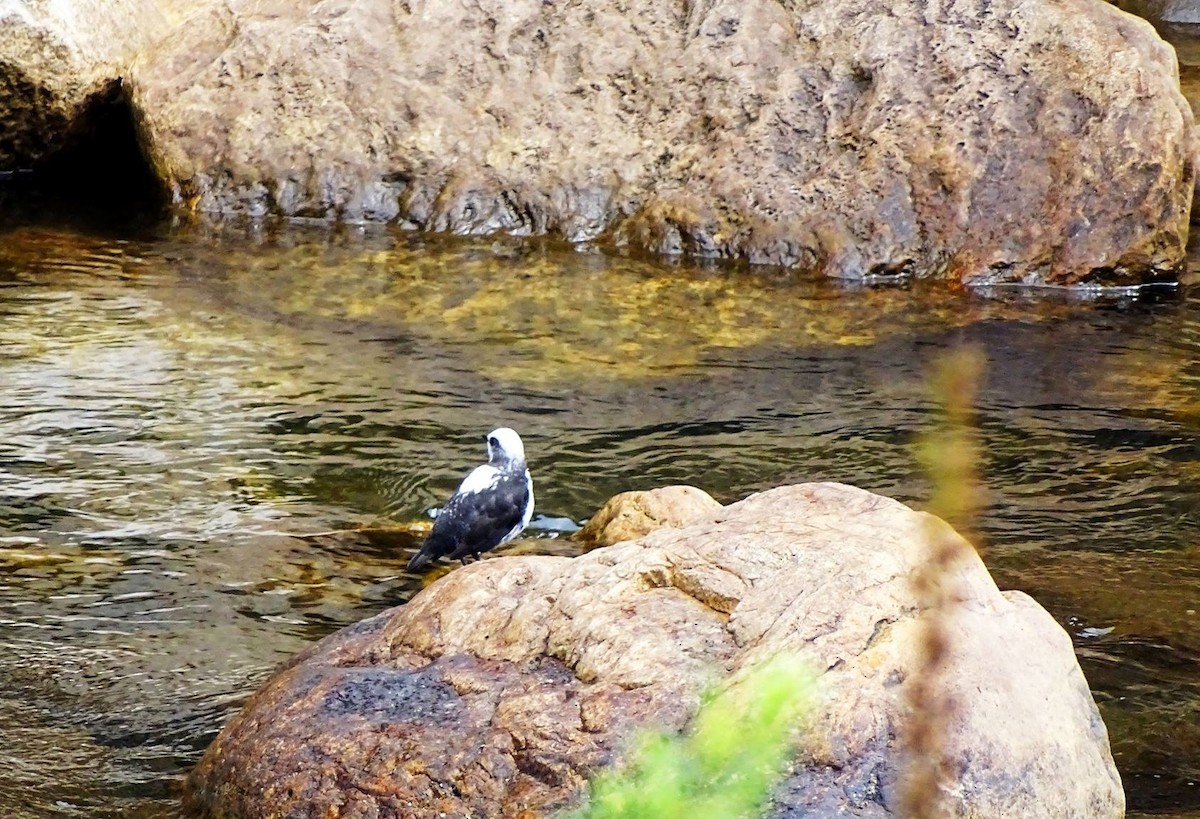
<point x="179" y="419"/>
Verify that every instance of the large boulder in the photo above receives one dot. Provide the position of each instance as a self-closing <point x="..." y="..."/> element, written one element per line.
<point x="504" y="685"/>
<point x="998" y="141"/>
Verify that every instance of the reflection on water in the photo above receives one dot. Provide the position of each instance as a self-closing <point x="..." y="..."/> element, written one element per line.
<point x="174" y="409"/>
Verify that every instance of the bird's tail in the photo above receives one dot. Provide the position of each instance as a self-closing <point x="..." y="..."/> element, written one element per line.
<point x="418" y="560"/>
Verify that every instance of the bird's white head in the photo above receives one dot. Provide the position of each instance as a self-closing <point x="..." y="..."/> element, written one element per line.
<point x="505" y="447"/>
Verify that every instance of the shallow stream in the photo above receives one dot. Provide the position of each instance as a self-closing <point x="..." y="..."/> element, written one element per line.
<point x="175" y="407"/>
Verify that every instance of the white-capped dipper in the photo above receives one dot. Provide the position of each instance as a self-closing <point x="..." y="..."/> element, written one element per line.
<point x="492" y="505"/>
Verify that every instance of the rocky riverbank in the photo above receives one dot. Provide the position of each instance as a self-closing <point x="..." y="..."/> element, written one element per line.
<point x="1004" y="142"/>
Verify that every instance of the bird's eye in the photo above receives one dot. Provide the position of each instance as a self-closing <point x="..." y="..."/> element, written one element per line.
<point x="493" y="441"/>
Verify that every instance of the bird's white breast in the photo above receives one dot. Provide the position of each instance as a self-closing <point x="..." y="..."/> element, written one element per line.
<point x="525" y="518"/>
<point x="481" y="479"/>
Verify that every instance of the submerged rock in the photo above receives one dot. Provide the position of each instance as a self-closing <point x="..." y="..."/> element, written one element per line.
<point x="503" y="686"/>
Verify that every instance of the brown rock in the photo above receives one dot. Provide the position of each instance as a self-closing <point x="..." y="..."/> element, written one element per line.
<point x="630" y="515"/>
<point x="504" y="685"/>
<point x="53" y="56"/>
<point x="42" y="84"/>
<point x="992" y="142"/>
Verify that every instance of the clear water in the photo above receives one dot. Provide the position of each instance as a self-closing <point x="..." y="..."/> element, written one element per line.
<point x="174" y="408"/>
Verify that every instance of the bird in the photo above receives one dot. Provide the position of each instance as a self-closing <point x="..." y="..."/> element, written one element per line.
<point x="492" y="505"/>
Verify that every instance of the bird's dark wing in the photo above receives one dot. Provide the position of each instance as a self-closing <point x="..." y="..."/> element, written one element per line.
<point x="474" y="522"/>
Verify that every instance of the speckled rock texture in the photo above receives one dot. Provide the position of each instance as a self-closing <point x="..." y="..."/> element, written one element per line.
<point x="630" y="515"/>
<point x="992" y="141"/>
<point x="498" y="689"/>
<point x="997" y="141"/>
